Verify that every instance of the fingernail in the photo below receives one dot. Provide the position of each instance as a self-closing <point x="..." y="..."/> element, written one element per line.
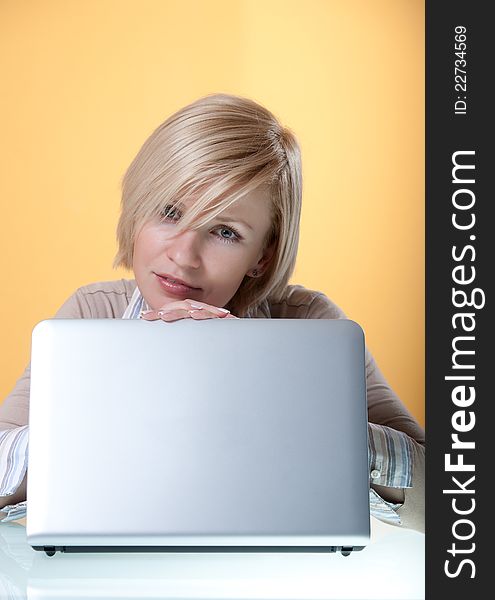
<point x="144" y="312"/>
<point x="198" y="306"/>
<point x="224" y="310"/>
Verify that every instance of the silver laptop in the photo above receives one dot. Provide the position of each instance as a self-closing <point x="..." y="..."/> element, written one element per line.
<point x="215" y="435"/>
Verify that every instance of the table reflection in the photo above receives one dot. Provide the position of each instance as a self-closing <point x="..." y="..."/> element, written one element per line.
<point x="392" y="566"/>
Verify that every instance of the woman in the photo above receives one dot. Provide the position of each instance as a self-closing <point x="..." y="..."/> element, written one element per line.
<point x="210" y="226"/>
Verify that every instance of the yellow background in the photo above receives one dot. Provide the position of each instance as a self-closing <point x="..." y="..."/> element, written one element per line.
<point x="84" y="82"/>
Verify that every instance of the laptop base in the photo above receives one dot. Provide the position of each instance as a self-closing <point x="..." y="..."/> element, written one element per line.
<point x="51" y="550"/>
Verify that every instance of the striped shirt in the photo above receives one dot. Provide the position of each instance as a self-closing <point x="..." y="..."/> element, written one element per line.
<point x="389" y="452"/>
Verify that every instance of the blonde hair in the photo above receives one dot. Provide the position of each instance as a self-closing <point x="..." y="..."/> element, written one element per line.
<point x="218" y="149"/>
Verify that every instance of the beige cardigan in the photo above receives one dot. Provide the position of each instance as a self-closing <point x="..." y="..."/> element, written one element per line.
<point x="110" y="299"/>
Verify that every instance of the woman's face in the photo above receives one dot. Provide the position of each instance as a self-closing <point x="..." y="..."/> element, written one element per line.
<point x="213" y="259"/>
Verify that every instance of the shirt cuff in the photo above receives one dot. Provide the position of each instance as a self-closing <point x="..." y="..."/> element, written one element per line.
<point x="13" y="459"/>
<point x="390" y="457"/>
<point x="383" y="510"/>
<point x="14" y="511"/>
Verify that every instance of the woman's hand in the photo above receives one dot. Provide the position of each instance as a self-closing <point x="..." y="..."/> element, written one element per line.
<point x="187" y="309"/>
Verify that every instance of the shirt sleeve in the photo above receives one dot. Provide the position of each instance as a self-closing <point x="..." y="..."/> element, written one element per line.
<point x="13" y="459"/>
<point x="383" y="510"/>
<point x="14" y="410"/>
<point x="390" y="457"/>
<point x="396" y="440"/>
<point x="390" y="464"/>
<point x="14" y="416"/>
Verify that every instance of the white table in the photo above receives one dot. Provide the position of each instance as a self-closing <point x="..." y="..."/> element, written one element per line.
<point x="392" y="566"/>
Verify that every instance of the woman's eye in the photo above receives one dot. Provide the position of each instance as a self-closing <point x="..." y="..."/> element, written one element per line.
<point x="228" y="235"/>
<point x="171" y="213"/>
<point x="224" y="233"/>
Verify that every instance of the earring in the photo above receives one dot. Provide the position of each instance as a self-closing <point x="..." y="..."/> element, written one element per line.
<point x="255" y="273"/>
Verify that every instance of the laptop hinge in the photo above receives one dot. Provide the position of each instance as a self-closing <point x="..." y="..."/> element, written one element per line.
<point x="345" y="550"/>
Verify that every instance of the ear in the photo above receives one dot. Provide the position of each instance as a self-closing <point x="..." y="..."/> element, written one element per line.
<point x="263" y="262"/>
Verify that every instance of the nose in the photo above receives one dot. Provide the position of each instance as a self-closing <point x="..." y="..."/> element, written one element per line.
<point x="184" y="249"/>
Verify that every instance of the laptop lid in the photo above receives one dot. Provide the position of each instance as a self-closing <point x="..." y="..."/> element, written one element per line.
<point x="248" y="433"/>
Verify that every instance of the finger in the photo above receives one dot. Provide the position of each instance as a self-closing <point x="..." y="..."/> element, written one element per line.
<point x="151" y="315"/>
<point x="177" y="305"/>
<point x="192" y="305"/>
<point x="172" y="312"/>
<point x="202" y="314"/>
<point x="167" y="315"/>
<point x="173" y="315"/>
<point x="203" y="306"/>
<point x="230" y="316"/>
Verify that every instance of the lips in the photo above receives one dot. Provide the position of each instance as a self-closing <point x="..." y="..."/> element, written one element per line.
<point x="173" y="279"/>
